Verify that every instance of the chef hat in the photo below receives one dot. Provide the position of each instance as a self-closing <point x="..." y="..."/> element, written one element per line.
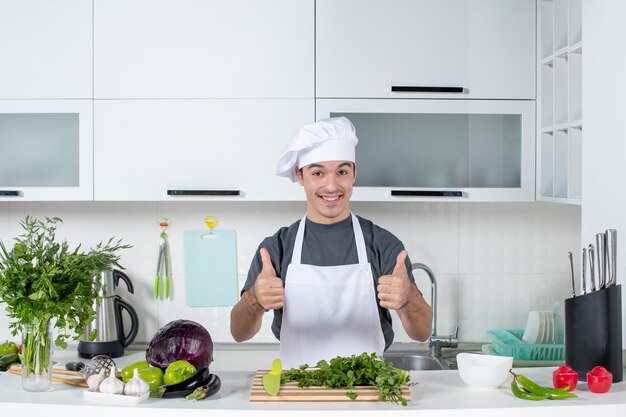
<point x="332" y="139"/>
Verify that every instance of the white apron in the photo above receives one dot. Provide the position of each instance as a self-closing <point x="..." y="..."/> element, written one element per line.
<point x="329" y="310"/>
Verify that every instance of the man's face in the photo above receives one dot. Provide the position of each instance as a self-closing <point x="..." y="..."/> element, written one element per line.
<point x="328" y="188"/>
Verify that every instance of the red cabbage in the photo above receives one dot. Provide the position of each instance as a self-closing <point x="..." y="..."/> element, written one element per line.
<point x="180" y="340"/>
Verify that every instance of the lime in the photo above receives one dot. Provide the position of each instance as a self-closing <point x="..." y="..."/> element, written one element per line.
<point x="277" y="367"/>
<point x="271" y="383"/>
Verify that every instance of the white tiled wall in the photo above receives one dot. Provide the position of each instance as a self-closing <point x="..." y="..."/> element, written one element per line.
<point x="493" y="262"/>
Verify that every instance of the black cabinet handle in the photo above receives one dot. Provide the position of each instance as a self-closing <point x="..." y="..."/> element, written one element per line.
<point x="180" y="193"/>
<point x="425" y="89"/>
<point x="420" y="193"/>
<point x="10" y="193"/>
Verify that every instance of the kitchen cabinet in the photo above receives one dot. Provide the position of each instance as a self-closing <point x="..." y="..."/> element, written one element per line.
<point x="484" y="47"/>
<point x="46" y="49"/>
<point x="203" y="49"/>
<point x="559" y="101"/>
<point x="426" y="150"/>
<point x="46" y="150"/>
<point x="222" y="149"/>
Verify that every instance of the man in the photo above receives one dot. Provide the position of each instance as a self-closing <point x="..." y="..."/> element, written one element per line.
<point x="332" y="277"/>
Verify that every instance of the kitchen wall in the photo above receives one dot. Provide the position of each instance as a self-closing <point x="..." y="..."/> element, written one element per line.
<point x="494" y="261"/>
<point x="604" y="148"/>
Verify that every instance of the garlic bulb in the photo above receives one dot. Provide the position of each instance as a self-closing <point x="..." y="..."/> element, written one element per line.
<point x="94" y="381"/>
<point x="112" y="385"/>
<point x="136" y="386"/>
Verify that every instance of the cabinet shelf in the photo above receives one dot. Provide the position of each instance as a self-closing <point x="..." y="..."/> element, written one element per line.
<point x="559" y="101"/>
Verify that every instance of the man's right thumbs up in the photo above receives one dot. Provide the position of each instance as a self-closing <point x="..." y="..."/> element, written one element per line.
<point x="268" y="288"/>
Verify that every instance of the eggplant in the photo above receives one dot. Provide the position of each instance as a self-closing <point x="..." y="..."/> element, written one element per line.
<point x="183" y="388"/>
<point x="211" y="387"/>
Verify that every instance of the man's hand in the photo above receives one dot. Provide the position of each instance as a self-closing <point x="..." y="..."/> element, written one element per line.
<point x="394" y="290"/>
<point x="268" y="288"/>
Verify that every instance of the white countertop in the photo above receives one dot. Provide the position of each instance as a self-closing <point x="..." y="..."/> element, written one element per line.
<point x="437" y="393"/>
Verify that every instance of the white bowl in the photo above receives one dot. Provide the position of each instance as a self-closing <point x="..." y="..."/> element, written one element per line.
<point x="483" y="371"/>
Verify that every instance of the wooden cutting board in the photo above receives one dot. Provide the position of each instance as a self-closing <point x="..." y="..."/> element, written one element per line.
<point x="73" y="378"/>
<point x="291" y="392"/>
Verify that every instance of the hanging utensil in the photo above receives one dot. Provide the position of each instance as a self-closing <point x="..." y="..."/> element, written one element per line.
<point x="601" y="259"/>
<point x="163" y="264"/>
<point x="571" y="270"/>
<point x="611" y="253"/>
<point x="592" y="269"/>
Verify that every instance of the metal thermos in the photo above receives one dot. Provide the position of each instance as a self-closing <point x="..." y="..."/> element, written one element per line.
<point x="111" y="338"/>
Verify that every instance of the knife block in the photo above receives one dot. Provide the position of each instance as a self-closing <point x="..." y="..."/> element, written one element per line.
<point x="593" y="332"/>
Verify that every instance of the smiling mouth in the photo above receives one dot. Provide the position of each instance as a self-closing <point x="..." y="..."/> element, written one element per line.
<point x="330" y="199"/>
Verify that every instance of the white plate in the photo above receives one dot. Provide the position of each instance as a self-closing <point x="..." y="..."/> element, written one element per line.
<point x="534" y="324"/>
<point x="550" y="319"/>
<point x="559" y="323"/>
<point x="114" y="398"/>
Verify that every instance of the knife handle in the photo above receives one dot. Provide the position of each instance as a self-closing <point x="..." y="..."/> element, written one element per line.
<point x="611" y="254"/>
<point x="592" y="270"/>
<point x="583" y="285"/>
<point x="601" y="259"/>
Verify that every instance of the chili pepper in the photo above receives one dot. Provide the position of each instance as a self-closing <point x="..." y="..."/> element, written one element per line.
<point x="565" y="376"/>
<point x="537" y="390"/>
<point x="599" y="380"/>
<point x="523" y="394"/>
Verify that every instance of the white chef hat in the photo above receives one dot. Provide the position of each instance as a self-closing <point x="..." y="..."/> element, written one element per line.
<point x="332" y="139"/>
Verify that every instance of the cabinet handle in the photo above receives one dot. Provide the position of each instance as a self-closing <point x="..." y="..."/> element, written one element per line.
<point x="419" y="193"/>
<point x="425" y="89"/>
<point x="10" y="193"/>
<point x="178" y="193"/>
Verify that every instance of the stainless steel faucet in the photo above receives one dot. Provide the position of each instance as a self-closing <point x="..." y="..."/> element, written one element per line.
<point x="436" y="342"/>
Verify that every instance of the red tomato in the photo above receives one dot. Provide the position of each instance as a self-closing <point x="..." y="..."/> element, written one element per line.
<point x="599" y="380"/>
<point x="565" y="376"/>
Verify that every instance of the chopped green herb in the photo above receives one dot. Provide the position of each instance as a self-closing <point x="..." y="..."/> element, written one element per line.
<point x="348" y="372"/>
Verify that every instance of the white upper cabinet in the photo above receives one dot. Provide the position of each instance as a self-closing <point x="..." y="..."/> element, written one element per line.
<point x="46" y="150"/>
<point x="484" y="48"/>
<point x="203" y="49"/>
<point x="45" y="49"/>
<point x="191" y="150"/>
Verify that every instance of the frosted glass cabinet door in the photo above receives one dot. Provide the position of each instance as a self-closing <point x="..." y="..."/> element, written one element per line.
<point x="46" y="49"/>
<point x="194" y="150"/>
<point x="414" y="150"/>
<point x="46" y="150"/>
<point x="487" y="47"/>
<point x="204" y="48"/>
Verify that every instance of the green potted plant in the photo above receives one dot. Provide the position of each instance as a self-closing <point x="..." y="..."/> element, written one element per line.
<point x="46" y="285"/>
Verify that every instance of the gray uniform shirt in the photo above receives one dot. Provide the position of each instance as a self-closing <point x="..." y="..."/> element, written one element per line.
<point x="331" y="245"/>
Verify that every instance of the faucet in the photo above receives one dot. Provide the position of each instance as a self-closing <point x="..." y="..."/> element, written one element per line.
<point x="436" y="342"/>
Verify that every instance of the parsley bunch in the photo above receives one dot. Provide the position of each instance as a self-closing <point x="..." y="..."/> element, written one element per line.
<point x="43" y="280"/>
<point x="348" y="372"/>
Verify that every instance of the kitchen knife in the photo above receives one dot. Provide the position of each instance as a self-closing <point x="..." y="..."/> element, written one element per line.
<point x="571" y="271"/>
<point x="601" y="259"/>
<point x="611" y="254"/>
<point x="592" y="270"/>
<point x="584" y="272"/>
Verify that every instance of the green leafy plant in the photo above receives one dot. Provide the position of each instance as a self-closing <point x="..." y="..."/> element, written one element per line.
<point x="43" y="281"/>
<point x="349" y="372"/>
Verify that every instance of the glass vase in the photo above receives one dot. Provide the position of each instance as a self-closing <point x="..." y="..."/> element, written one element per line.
<point x="37" y="356"/>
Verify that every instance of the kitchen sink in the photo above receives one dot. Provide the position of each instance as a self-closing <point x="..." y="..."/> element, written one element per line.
<point x="416" y="362"/>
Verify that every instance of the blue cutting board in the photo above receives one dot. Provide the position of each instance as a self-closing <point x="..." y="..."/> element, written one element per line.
<point x="210" y="268"/>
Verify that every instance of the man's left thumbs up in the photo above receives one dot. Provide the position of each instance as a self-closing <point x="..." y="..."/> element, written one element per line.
<point x="394" y="290"/>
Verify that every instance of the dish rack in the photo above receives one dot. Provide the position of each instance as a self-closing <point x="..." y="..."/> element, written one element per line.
<point x="508" y="342"/>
